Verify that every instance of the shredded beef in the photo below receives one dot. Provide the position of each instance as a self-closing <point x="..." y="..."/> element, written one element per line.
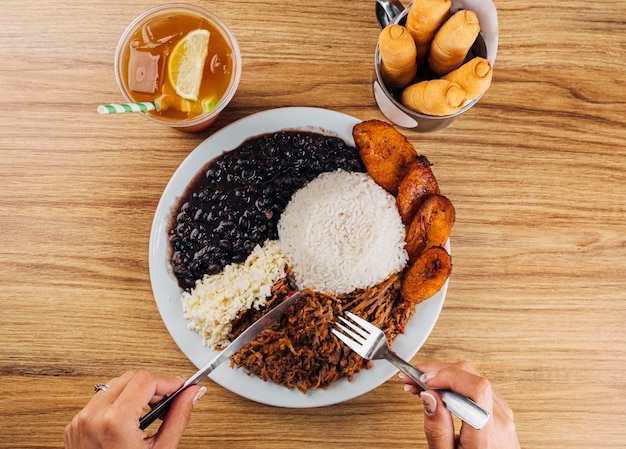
<point x="299" y="351"/>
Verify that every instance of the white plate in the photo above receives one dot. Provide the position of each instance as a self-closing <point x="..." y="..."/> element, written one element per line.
<point x="167" y="293"/>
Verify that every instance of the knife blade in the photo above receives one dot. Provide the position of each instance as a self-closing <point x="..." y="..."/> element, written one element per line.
<point x="246" y="337"/>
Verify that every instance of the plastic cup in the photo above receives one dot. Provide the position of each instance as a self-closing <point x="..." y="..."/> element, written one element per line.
<point x="486" y="46"/>
<point x="163" y="13"/>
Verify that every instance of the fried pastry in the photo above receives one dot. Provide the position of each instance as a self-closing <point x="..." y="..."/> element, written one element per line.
<point x="453" y="41"/>
<point x="474" y="77"/>
<point x="423" y="20"/>
<point x="398" y="57"/>
<point x="434" y="97"/>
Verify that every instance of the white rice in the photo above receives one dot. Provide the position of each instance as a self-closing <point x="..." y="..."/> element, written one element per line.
<point x="216" y="300"/>
<point x="342" y="232"/>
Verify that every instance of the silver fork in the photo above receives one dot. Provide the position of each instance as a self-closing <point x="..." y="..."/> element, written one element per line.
<point x="371" y="343"/>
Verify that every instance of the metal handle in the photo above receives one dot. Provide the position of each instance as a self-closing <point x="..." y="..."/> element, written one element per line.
<point x="466" y="409"/>
<point x="387" y="11"/>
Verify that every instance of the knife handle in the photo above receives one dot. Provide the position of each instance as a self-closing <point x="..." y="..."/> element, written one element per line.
<point x="160" y="408"/>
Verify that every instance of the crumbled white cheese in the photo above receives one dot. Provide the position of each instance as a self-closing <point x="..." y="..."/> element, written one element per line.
<point x="218" y="299"/>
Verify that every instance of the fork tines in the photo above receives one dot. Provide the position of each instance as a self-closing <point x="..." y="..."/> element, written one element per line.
<point x="351" y="329"/>
<point x="353" y="335"/>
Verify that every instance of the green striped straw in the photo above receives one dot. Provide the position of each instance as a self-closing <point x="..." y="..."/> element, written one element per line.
<point x="128" y="107"/>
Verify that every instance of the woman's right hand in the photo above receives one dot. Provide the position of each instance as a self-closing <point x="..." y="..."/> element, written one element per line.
<point x="499" y="432"/>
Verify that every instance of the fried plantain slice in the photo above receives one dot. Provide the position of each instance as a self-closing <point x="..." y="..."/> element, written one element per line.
<point x="427" y="275"/>
<point x="384" y="151"/>
<point x="418" y="183"/>
<point x="431" y="226"/>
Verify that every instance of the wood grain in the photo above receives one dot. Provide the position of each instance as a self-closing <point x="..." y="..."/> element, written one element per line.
<point x="537" y="173"/>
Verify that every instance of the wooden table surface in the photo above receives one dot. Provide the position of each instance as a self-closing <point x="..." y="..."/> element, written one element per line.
<point x="537" y="172"/>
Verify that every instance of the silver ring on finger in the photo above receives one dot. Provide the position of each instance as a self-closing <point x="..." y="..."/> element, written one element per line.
<point x="100" y="387"/>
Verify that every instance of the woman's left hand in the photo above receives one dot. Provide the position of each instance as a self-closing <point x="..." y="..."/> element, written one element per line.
<point x="111" y="418"/>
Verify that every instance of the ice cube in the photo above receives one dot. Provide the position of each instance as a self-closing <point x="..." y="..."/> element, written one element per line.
<point x="143" y="71"/>
<point x="159" y="31"/>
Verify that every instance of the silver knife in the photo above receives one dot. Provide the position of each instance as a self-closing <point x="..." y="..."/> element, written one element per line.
<point x="246" y="337"/>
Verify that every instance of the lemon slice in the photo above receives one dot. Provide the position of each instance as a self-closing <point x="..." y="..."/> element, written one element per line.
<point x="186" y="64"/>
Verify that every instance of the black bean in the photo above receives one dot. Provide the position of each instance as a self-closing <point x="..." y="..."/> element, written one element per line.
<point x="225" y="244"/>
<point x="195" y="234"/>
<point x="183" y="229"/>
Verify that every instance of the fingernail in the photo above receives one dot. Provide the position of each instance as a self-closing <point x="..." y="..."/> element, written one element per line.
<point x="199" y="395"/>
<point x="430" y="403"/>
<point x="401" y="375"/>
<point x="428" y="376"/>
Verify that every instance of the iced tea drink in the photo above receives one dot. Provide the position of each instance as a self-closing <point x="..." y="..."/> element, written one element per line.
<point x="184" y="59"/>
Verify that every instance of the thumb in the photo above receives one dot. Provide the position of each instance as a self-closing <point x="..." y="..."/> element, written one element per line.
<point x="438" y="424"/>
<point x="177" y="418"/>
